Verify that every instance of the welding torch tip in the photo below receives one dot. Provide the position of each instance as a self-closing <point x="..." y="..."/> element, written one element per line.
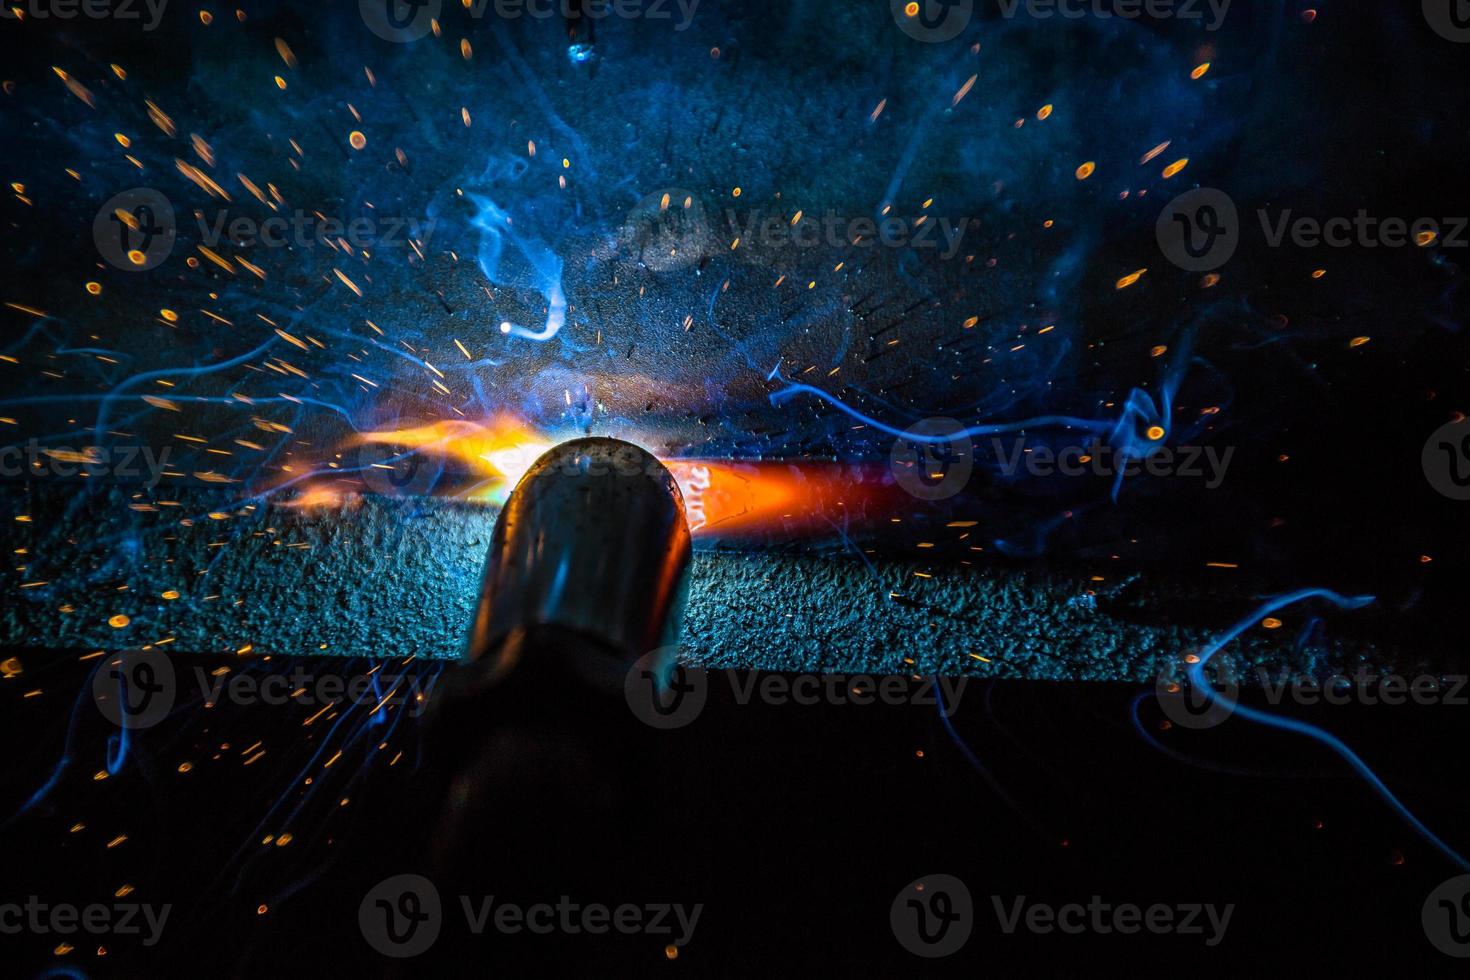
<point x="592" y="547"/>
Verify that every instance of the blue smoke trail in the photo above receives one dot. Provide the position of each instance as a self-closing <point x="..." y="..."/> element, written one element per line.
<point x="543" y="264"/>
<point x="1197" y="678"/>
<point x="974" y="760"/>
<point x="1199" y="763"/>
<point x="1140" y="411"/>
<point x="794" y="388"/>
<point x="101" y="427"/>
<point x="83" y="696"/>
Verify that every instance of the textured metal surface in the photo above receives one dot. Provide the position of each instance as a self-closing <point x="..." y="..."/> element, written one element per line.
<point x="400" y="578"/>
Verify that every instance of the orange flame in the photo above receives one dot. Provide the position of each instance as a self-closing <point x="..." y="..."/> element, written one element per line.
<point x="721" y="497"/>
<point x="500" y="451"/>
<point x="726" y="497"/>
<point x="317" y="497"/>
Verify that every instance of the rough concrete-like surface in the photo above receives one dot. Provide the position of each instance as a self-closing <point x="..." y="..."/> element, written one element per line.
<point x="398" y="578"/>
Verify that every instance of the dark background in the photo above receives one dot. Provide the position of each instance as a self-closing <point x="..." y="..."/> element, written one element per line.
<point x="795" y="826"/>
<point x="795" y="829"/>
